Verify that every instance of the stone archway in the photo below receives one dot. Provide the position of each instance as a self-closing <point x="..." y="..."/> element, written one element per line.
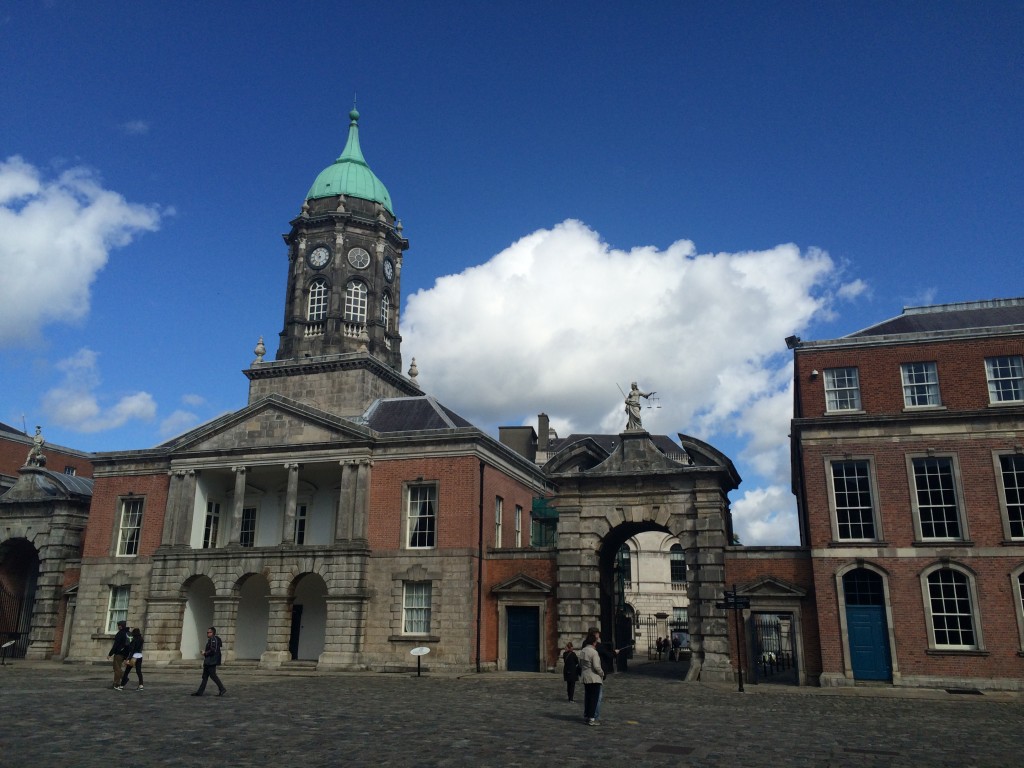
<point x="606" y="496"/>
<point x="198" y="615"/>
<point x="253" y="618"/>
<point x="19" y="573"/>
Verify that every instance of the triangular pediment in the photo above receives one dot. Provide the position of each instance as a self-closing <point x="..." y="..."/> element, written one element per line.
<point x="521" y="584"/>
<point x="273" y="421"/>
<point x="770" y="587"/>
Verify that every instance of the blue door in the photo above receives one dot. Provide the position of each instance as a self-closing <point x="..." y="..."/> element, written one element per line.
<point x="523" y="638"/>
<point x="869" y="642"/>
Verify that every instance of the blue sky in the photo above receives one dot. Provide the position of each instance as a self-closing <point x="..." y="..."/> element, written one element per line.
<point x="594" y="193"/>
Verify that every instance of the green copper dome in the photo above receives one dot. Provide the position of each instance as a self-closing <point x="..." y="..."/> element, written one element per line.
<point x="350" y="175"/>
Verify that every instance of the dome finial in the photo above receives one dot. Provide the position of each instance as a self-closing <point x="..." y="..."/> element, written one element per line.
<point x="354" y="114"/>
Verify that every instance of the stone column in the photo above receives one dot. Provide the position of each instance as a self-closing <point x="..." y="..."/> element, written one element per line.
<point x="180" y="509"/>
<point x="346" y="496"/>
<point x="710" y="658"/>
<point x="290" y="505"/>
<point x="279" y="629"/>
<point x="361" y="503"/>
<point x="225" y="619"/>
<point x="239" y="504"/>
<point x="42" y="622"/>
<point x="173" y="502"/>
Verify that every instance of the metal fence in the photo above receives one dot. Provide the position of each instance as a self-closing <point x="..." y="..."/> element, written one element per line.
<point x="13" y="625"/>
<point x="773" y="646"/>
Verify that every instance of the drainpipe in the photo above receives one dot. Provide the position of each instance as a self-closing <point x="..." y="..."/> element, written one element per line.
<point x="480" y="567"/>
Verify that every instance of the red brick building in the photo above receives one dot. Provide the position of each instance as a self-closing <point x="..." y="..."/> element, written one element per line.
<point x="908" y="468"/>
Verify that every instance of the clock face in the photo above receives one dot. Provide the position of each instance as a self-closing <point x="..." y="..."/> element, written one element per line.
<point x="358" y="258"/>
<point x="389" y="270"/>
<point x="319" y="256"/>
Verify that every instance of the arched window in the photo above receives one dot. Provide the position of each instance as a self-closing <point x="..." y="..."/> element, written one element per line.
<point x="951" y="606"/>
<point x="317" y="307"/>
<point x="677" y="564"/>
<point x="385" y="311"/>
<point x="355" y="302"/>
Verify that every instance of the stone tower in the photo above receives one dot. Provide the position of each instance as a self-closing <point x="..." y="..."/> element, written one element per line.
<point x="340" y="347"/>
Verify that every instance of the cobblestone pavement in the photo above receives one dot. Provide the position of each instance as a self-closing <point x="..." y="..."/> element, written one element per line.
<point x="59" y="716"/>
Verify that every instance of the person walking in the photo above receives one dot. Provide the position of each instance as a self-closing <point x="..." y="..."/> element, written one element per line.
<point x="119" y="652"/>
<point x="211" y="660"/>
<point x="592" y="676"/>
<point x="570" y="670"/>
<point x="134" y="658"/>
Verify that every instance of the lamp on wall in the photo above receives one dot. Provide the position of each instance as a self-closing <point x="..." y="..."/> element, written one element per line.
<point x="814" y="373"/>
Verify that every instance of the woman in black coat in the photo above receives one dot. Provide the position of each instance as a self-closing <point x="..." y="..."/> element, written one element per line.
<point x="570" y="670"/>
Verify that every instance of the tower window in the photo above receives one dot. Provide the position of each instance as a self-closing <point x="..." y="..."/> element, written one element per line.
<point x="355" y="302"/>
<point x="385" y="310"/>
<point x="317" y="310"/>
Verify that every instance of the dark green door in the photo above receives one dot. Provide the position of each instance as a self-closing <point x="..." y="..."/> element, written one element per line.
<point x="523" y="638"/>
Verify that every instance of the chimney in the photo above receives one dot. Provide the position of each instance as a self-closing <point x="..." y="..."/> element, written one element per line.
<point x="543" y="425"/>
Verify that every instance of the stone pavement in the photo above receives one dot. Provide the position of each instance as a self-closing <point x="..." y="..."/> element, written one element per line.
<point x="64" y="716"/>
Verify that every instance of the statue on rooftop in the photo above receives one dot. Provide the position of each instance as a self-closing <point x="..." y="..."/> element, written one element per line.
<point x="633" y="420"/>
<point x="35" y="454"/>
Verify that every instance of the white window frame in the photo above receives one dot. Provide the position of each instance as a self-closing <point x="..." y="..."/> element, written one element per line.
<point x="916" y="492"/>
<point x="211" y="525"/>
<point x="1011" y="498"/>
<point x="677" y="555"/>
<point x="417" y="497"/>
<point x="869" y="476"/>
<point x="519" y="525"/>
<point x="316" y="306"/>
<point x="499" y="513"/>
<point x="950" y="594"/>
<point x="920" y="385"/>
<point x="1005" y="375"/>
<point x="117" y="605"/>
<point x="385" y="310"/>
<point x="1017" y="590"/>
<point x="417" y="598"/>
<point x="356" y="298"/>
<point x="842" y="389"/>
<point x="129" y="532"/>
<point x="243" y="530"/>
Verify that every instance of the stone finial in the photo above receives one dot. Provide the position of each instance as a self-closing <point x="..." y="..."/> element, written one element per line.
<point x="398" y="227"/>
<point x="305" y="209"/>
<point x="413" y="371"/>
<point x="259" y="351"/>
<point x="364" y="340"/>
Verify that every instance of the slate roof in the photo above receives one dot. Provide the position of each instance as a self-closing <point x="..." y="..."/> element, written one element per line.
<point x="411" y="414"/>
<point x="949" y="317"/>
<point x="38" y="484"/>
<point x="663" y="443"/>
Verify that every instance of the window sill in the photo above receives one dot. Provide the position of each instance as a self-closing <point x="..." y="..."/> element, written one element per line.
<point x="858" y="543"/>
<point x="920" y="408"/>
<point x="956" y="652"/>
<point x="942" y="543"/>
<point x="418" y="639"/>
<point x="1006" y="404"/>
<point x="846" y="412"/>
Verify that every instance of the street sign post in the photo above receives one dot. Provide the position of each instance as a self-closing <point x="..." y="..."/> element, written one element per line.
<point x="735" y="603"/>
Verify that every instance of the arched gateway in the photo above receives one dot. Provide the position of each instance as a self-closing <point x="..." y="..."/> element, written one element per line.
<point x="609" y="492"/>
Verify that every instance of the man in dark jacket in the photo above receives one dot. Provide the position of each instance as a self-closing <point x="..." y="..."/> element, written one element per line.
<point x="211" y="658"/>
<point x="119" y="651"/>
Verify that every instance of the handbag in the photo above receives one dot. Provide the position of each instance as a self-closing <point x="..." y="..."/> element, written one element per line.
<point x="130" y="663"/>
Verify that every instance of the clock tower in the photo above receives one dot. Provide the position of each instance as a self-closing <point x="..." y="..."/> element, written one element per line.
<point x="343" y="293"/>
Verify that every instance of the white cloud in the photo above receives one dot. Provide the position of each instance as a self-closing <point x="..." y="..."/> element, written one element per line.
<point x="764" y="516"/>
<point x="55" y="237"/>
<point x="193" y="401"/>
<point x="557" y="319"/>
<point x="73" y="403"/>
<point x="178" y="422"/>
<point x="135" y="127"/>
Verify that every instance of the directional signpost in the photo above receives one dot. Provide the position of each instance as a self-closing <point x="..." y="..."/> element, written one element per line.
<point x="735" y="603"/>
